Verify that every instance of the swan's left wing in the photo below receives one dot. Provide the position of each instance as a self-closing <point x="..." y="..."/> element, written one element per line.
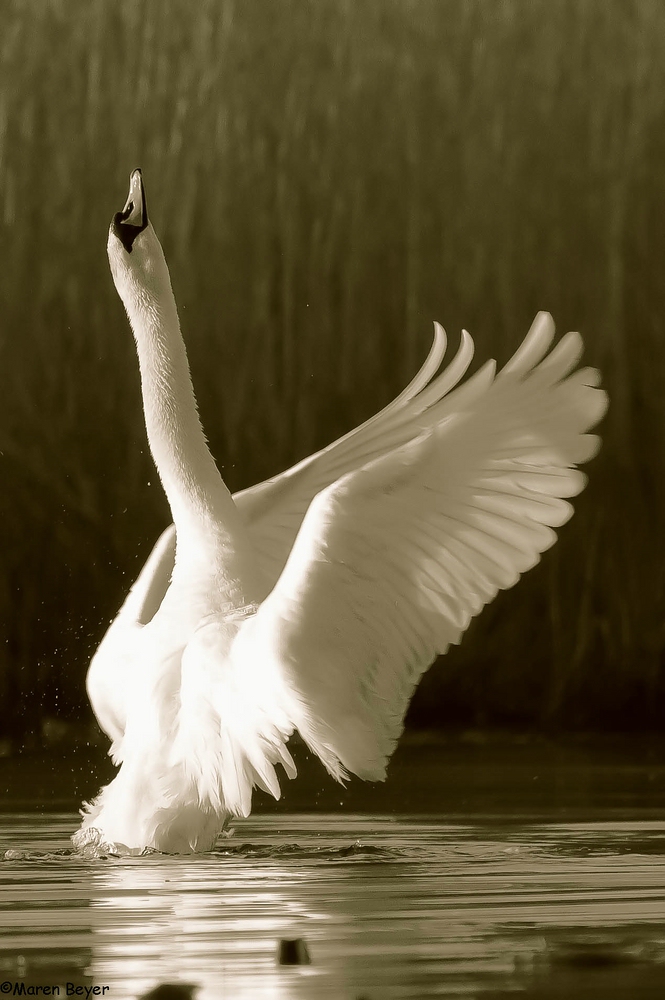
<point x="393" y="560"/>
<point x="274" y="510"/>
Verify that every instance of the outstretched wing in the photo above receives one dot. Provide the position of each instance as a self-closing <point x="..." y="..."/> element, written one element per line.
<point x="394" y="559"/>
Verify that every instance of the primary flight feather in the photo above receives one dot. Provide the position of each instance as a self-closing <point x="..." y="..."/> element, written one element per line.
<point x="316" y="600"/>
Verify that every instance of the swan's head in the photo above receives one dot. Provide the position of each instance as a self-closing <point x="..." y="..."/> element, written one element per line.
<point x="135" y="254"/>
<point x="133" y="220"/>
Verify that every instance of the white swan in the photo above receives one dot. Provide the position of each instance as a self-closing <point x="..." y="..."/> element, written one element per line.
<point x="316" y="600"/>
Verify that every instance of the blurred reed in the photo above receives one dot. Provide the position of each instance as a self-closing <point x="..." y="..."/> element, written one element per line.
<point x="327" y="178"/>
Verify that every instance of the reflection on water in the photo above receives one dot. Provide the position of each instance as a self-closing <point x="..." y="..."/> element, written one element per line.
<point x="388" y="908"/>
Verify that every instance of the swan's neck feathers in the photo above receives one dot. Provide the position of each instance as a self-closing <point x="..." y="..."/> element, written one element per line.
<point x="200" y="502"/>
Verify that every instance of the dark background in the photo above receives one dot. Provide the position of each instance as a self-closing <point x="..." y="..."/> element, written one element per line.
<point x="327" y="177"/>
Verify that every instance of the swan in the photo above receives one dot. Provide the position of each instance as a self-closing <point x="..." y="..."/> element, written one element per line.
<point x="316" y="600"/>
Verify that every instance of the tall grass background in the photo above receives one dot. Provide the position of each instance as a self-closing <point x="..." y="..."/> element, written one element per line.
<point x="327" y="177"/>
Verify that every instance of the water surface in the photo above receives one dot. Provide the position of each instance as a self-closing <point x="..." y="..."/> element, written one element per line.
<point x="388" y="907"/>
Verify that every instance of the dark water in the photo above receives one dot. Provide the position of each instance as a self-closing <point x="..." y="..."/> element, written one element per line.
<point x="389" y="908"/>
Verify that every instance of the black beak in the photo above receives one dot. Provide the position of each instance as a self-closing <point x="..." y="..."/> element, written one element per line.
<point x="134" y="217"/>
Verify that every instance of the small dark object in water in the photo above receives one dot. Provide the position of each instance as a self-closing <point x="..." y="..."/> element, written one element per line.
<point x="293" y="951"/>
<point x="595" y="953"/>
<point x="171" y="991"/>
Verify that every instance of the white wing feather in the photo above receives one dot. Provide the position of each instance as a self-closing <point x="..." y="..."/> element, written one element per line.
<point x="394" y="558"/>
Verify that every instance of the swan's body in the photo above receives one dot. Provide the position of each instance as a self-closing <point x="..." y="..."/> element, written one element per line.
<point x="316" y="600"/>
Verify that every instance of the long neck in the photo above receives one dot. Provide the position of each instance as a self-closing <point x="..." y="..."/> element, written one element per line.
<point x="201" y="505"/>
